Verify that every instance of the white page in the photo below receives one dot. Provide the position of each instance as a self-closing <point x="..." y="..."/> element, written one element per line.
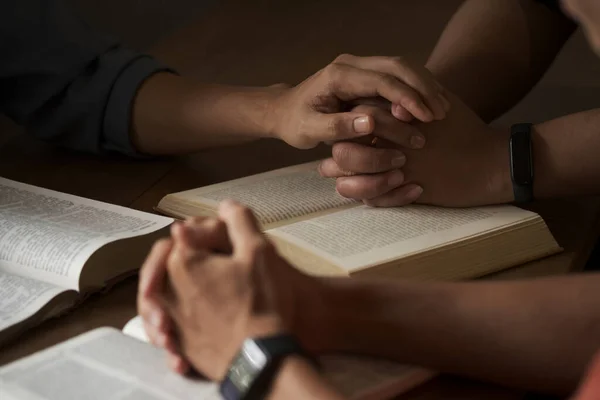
<point x="275" y="195"/>
<point x="100" y="365"/>
<point x="135" y="328"/>
<point x="49" y="235"/>
<point x="22" y="297"/>
<point x="362" y="236"/>
<point x="358" y="378"/>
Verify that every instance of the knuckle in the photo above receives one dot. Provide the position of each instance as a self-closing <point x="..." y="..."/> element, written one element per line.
<point x="176" y="264"/>
<point x="372" y="187"/>
<point x="336" y="127"/>
<point x="211" y="224"/>
<point x="240" y="211"/>
<point x="173" y="266"/>
<point x="342" y="58"/>
<point x="160" y="244"/>
<point x="196" y="220"/>
<point x="410" y="102"/>
<point x="332" y="69"/>
<point x="334" y="73"/>
<point x="342" y="155"/>
<point x="399" y="61"/>
<point x="387" y="80"/>
<point x="380" y="185"/>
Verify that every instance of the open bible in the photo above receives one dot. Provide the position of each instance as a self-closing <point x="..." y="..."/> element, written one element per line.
<point x="57" y="248"/>
<point x="107" y="364"/>
<point x="323" y="233"/>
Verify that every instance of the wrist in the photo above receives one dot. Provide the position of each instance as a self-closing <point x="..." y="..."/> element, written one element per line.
<point x="285" y="380"/>
<point x="269" y="324"/>
<point x="298" y="379"/>
<point x="273" y="110"/>
<point x="240" y="112"/>
<point x="498" y="187"/>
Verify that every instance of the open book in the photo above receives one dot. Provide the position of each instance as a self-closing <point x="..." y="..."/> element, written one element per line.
<point x="56" y="248"/>
<point x="323" y="233"/>
<point x="106" y="364"/>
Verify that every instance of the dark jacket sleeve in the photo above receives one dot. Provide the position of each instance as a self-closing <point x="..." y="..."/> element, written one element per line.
<point x="65" y="83"/>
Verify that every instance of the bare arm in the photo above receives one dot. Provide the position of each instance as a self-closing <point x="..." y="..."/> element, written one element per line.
<point x="494" y="51"/>
<point x="536" y="335"/>
<point x="566" y="155"/>
<point x="297" y="379"/>
<point x="172" y="115"/>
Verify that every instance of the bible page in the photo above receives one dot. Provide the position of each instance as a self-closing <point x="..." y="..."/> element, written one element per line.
<point x="357" y="378"/>
<point x="360" y="237"/>
<point x="21" y="298"/>
<point x="135" y="328"/>
<point x="274" y="196"/>
<point x="99" y="365"/>
<point x="47" y="235"/>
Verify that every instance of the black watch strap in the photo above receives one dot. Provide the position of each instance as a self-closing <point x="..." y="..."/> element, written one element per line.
<point x="521" y="162"/>
<point x="276" y="348"/>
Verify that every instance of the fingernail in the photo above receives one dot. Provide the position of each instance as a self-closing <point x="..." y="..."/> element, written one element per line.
<point x="415" y="192"/>
<point x="417" y="141"/>
<point x="396" y="179"/>
<point x="362" y="125"/>
<point x="398" y="161"/>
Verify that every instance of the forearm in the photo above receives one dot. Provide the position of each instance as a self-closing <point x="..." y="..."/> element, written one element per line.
<point x="297" y="379"/>
<point x="565" y="152"/>
<point x="494" y="51"/>
<point x="172" y="115"/>
<point x="535" y="335"/>
<point x="565" y="157"/>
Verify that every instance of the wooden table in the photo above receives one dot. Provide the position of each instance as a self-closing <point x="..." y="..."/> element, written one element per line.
<point x="259" y="42"/>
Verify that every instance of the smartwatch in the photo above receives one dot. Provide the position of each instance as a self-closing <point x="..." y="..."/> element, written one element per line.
<point x="521" y="162"/>
<point x="256" y="365"/>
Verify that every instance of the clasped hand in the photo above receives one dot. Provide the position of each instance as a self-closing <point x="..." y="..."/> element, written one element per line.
<point x="462" y="162"/>
<point x="431" y="148"/>
<point x="215" y="283"/>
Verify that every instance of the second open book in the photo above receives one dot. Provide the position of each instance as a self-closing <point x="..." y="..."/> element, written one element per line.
<point x="324" y="233"/>
<point x="108" y="364"/>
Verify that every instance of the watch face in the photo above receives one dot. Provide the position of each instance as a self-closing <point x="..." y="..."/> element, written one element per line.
<point x="247" y="366"/>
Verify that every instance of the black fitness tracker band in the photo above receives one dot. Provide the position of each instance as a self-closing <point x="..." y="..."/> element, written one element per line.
<point x="521" y="162"/>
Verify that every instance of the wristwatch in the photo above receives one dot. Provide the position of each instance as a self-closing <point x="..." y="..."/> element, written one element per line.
<point x="255" y="367"/>
<point x="521" y="162"/>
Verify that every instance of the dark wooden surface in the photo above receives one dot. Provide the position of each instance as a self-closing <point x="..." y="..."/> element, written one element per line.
<point x="265" y="42"/>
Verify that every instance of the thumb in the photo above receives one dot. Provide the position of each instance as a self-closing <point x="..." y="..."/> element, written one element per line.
<point x="343" y="126"/>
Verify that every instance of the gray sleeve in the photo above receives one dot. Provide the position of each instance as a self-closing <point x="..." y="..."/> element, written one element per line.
<point x="65" y="83"/>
